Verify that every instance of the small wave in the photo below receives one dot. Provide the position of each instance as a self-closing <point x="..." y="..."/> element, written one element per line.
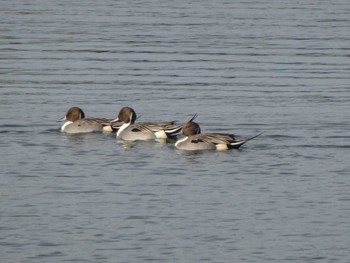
<point x="51" y="130"/>
<point x="326" y="146"/>
<point x="281" y="136"/>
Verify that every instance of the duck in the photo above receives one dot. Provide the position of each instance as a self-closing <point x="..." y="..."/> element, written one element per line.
<point x="75" y="122"/>
<point x="144" y="131"/>
<point x="194" y="140"/>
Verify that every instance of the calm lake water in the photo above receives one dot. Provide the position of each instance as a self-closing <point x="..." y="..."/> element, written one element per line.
<point x="278" y="67"/>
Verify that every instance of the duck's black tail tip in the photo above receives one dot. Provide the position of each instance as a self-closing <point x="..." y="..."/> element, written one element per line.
<point x="239" y="143"/>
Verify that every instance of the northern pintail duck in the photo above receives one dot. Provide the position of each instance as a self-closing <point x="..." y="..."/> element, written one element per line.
<point x="75" y="122"/>
<point x="131" y="131"/>
<point x="194" y="140"/>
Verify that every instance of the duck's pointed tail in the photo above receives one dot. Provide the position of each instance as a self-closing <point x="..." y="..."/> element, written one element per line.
<point x="178" y="128"/>
<point x="237" y="144"/>
<point x="194" y="116"/>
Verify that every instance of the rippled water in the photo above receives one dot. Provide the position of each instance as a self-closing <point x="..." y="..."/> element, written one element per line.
<point x="277" y="67"/>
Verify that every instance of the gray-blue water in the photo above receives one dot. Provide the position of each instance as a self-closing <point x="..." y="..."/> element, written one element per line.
<point x="278" y="67"/>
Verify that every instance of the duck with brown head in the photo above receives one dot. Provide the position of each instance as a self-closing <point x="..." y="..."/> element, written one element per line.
<point x="132" y="131"/>
<point x="75" y="122"/>
<point x="194" y="140"/>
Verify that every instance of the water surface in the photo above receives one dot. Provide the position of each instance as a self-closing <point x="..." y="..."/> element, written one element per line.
<point x="277" y="67"/>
